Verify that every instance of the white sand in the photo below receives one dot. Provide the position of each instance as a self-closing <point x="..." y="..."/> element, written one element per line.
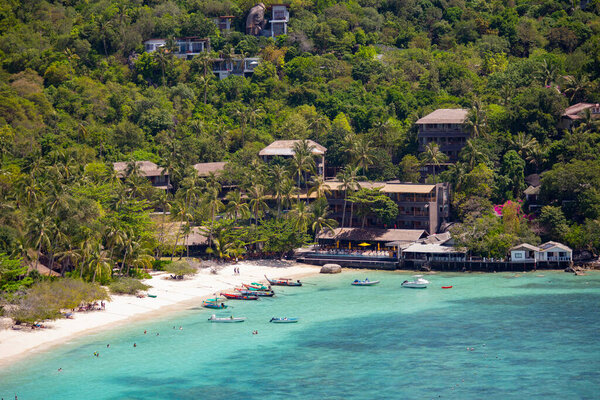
<point x="171" y="295"/>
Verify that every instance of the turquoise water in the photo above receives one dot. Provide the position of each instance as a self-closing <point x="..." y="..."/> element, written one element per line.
<point x="489" y="337"/>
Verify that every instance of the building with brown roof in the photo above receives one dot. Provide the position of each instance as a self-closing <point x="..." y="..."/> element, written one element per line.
<point x="420" y="207"/>
<point x="205" y="169"/>
<point x="157" y="176"/>
<point x="285" y="149"/>
<point x="446" y="128"/>
<point x="576" y="112"/>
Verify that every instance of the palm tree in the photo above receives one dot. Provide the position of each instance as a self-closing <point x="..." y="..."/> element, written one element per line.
<point x="577" y="87"/>
<point x="279" y="178"/>
<point x="236" y="206"/>
<point x="319" y="214"/>
<point x="258" y="201"/>
<point x="38" y="227"/>
<point x="476" y="122"/>
<point x="67" y="258"/>
<point x="362" y="153"/>
<point x="536" y="156"/>
<point x="162" y="201"/>
<point x="349" y="179"/>
<point x="180" y="213"/>
<point x="301" y="216"/>
<point x="319" y="187"/>
<point x="98" y="262"/>
<point x="523" y="143"/>
<point x="434" y="156"/>
<point x="471" y="154"/>
<point x="214" y="205"/>
<point x="302" y="161"/>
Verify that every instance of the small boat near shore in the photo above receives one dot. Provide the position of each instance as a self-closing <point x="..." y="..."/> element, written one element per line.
<point x="259" y="293"/>
<point x="283" y="282"/>
<point x="239" y="296"/>
<point x="418" y="283"/>
<point x="213" y="303"/>
<point x="446" y="287"/>
<point x="226" y="320"/>
<point x="366" y="282"/>
<point x="255" y="286"/>
<point x="283" y="320"/>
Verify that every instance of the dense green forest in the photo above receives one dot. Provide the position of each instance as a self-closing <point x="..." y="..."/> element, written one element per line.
<point x="77" y="93"/>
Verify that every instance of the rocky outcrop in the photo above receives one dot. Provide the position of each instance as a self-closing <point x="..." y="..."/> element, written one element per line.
<point x="331" y="269"/>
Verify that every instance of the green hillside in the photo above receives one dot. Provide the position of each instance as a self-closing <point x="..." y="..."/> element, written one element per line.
<point x="78" y="92"/>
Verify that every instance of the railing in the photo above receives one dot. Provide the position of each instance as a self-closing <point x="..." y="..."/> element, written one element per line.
<point x="557" y="259"/>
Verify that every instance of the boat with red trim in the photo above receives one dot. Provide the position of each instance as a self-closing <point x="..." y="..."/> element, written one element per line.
<point x="283" y="282"/>
<point x="239" y="296"/>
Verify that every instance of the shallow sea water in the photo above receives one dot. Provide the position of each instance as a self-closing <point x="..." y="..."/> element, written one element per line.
<point x="492" y="336"/>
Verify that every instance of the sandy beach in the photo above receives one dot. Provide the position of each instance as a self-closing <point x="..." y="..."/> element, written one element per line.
<point x="172" y="295"/>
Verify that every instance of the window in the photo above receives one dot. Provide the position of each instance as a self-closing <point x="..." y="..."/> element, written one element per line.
<point x="517" y="255"/>
<point x="149" y="47"/>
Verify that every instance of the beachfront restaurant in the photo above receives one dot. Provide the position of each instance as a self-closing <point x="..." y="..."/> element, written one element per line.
<point x="362" y="246"/>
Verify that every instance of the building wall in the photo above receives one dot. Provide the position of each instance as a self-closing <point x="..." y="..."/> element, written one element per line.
<point x="415" y="211"/>
<point x="450" y="137"/>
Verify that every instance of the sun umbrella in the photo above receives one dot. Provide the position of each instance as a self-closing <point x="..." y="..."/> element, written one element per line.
<point x="364" y="244"/>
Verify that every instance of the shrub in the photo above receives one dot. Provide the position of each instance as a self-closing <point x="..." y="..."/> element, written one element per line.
<point x="44" y="300"/>
<point x="126" y="285"/>
<point x="181" y="268"/>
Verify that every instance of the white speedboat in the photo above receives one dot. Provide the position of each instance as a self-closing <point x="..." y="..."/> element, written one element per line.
<point x="417" y="283"/>
<point x="366" y="282"/>
<point x="214" y="318"/>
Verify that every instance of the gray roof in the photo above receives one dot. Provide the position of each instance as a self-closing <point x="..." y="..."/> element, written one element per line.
<point x="531" y="190"/>
<point x="549" y="245"/>
<point x="204" y="169"/>
<point x="147" y="168"/>
<point x="445" y="116"/>
<point x="286" y="148"/>
<point x="525" y="246"/>
<point x="373" y="235"/>
<point x="435" y="248"/>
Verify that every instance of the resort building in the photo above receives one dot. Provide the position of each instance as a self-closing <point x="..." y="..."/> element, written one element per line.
<point x="224" y="22"/>
<point x="420" y="207"/>
<point x="205" y="169"/>
<point x="158" y="176"/>
<point x="185" y="47"/>
<point x="446" y="128"/>
<point x="577" y="112"/>
<point x="546" y="252"/>
<point x="279" y="20"/>
<point x="285" y="149"/>
<point x="258" y="25"/>
<point x="238" y="66"/>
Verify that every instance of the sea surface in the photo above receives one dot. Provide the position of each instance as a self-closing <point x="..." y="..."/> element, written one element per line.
<point x="492" y="336"/>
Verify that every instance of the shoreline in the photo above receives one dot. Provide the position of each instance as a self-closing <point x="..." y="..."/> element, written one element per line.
<point x="172" y="296"/>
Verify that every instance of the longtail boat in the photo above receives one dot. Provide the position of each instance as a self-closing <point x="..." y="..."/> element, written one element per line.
<point x="283" y="320"/>
<point x="254" y="286"/>
<point x="213" y="304"/>
<point x="238" y="296"/>
<point x="230" y="319"/>
<point x="283" y="282"/>
<point x="260" y="293"/>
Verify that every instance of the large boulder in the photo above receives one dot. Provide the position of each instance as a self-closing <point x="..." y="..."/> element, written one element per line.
<point x="331" y="269"/>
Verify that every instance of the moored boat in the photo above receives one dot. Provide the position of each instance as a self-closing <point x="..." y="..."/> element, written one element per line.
<point x="213" y="303"/>
<point x="230" y="319"/>
<point x="283" y="320"/>
<point x="366" y="282"/>
<point x="446" y="287"/>
<point x="239" y="296"/>
<point x="260" y="293"/>
<point x="283" y="282"/>
<point x="255" y="286"/>
<point x="418" y="283"/>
